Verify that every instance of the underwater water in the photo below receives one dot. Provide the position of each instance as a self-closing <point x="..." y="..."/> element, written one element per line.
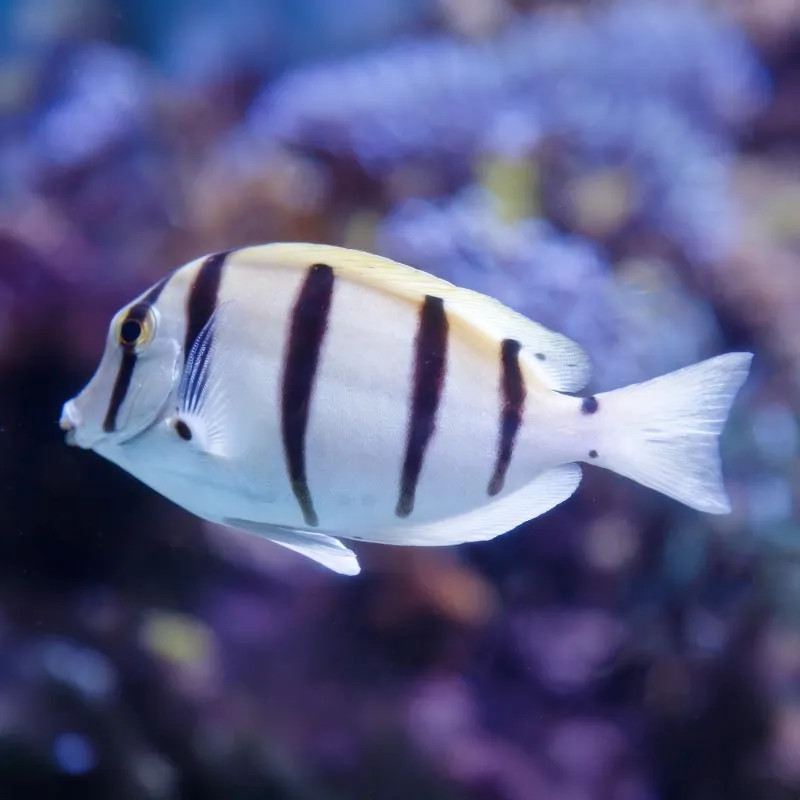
<point x="627" y="173"/>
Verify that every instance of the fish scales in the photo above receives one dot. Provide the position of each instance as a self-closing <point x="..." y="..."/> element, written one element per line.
<point x="309" y="393"/>
<point x="360" y="406"/>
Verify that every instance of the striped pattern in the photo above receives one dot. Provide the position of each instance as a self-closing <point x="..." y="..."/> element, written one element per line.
<point x="308" y="324"/>
<point x="202" y="299"/>
<point x="128" y="362"/>
<point x="121" y="385"/>
<point x="512" y="391"/>
<point x="430" y="365"/>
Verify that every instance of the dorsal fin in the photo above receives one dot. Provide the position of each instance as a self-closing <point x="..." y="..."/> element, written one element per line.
<point x="555" y="359"/>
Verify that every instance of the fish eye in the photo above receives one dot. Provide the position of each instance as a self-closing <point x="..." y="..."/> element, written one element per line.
<point x="136" y="327"/>
<point x="130" y="332"/>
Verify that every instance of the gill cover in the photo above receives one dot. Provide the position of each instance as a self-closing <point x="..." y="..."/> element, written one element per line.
<point x="134" y="381"/>
<point x="148" y="364"/>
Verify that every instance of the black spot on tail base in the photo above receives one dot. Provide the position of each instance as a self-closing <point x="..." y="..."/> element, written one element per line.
<point x="589" y="405"/>
<point x="430" y="365"/>
<point x="308" y="324"/>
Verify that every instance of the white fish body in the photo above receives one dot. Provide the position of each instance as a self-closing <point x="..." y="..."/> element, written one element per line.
<point x="311" y="393"/>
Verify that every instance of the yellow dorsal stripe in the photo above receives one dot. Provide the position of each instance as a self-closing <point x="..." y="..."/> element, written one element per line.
<point x="556" y="360"/>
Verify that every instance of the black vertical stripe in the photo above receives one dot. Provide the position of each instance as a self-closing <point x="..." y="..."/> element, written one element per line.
<point x="202" y="299"/>
<point x="430" y="364"/>
<point x="308" y="324"/>
<point x="128" y="363"/>
<point x="121" y="384"/>
<point x="152" y="296"/>
<point x="512" y="391"/>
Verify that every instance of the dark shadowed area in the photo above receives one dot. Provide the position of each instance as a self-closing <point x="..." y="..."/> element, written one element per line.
<point x="627" y="173"/>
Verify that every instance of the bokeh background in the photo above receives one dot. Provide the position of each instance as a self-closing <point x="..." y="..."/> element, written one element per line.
<point x="625" y="172"/>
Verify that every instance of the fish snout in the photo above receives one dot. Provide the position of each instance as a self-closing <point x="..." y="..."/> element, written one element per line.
<point x="70" y="420"/>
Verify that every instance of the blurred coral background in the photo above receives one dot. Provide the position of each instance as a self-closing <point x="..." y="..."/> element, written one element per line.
<point x="625" y="172"/>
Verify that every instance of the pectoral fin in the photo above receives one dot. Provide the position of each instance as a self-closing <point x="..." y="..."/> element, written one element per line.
<point x="325" y="550"/>
<point x="202" y="417"/>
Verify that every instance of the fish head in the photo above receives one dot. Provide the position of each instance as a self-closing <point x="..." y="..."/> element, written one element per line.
<point x="130" y="391"/>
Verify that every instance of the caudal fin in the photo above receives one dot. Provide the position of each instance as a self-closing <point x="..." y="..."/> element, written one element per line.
<point x="665" y="433"/>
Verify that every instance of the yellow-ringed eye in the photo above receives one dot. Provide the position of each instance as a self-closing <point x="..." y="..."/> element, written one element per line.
<point x="130" y="332"/>
<point x="136" y="328"/>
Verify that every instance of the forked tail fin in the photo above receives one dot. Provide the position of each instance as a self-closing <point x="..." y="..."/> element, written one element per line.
<point x="665" y="433"/>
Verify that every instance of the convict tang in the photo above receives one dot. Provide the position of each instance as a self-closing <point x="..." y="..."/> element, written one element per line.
<point x="309" y="393"/>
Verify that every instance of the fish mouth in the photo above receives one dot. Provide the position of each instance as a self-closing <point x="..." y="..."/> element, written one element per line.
<point x="70" y="422"/>
<point x="77" y="435"/>
<point x="71" y="437"/>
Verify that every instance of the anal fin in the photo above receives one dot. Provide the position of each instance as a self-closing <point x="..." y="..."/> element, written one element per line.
<point x="544" y="492"/>
<point x="325" y="550"/>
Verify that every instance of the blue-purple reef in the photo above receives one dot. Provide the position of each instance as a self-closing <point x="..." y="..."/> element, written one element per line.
<point x="627" y="173"/>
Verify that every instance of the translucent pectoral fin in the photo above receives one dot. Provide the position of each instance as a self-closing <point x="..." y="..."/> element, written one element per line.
<point x="325" y="550"/>
<point x="203" y="415"/>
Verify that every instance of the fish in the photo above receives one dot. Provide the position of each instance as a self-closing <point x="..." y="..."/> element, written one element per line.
<point x="311" y="394"/>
